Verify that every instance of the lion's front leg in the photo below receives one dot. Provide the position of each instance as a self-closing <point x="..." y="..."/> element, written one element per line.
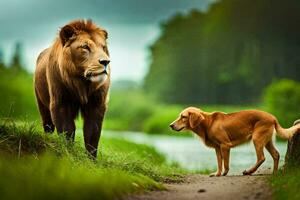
<point x="93" y="118"/>
<point x="63" y="118"/>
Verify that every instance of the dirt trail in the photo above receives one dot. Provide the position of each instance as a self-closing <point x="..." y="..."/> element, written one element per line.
<point x="202" y="187"/>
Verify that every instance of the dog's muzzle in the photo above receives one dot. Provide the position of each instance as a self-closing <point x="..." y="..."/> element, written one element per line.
<point x="173" y="127"/>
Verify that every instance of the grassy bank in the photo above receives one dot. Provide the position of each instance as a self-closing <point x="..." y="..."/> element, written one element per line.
<point x="286" y="185"/>
<point x="50" y="177"/>
<point x="38" y="166"/>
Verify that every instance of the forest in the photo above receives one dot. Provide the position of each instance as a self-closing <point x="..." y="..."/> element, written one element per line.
<point x="227" y="55"/>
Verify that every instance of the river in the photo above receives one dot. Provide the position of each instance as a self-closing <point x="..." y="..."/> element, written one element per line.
<point x="190" y="152"/>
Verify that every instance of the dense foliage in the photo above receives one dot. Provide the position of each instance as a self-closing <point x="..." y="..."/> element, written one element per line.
<point x="227" y="55"/>
<point x="282" y="98"/>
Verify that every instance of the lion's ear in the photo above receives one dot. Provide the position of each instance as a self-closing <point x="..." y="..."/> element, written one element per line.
<point x="195" y="119"/>
<point x="105" y="34"/>
<point x="66" y="33"/>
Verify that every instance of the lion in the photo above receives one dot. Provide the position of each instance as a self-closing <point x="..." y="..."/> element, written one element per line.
<point x="73" y="75"/>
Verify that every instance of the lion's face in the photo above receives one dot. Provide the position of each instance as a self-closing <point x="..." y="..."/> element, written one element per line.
<point x="88" y="52"/>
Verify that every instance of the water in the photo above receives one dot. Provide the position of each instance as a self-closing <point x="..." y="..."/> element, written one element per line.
<point x="190" y="152"/>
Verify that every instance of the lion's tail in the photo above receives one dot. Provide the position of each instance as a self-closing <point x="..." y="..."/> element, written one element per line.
<point x="289" y="132"/>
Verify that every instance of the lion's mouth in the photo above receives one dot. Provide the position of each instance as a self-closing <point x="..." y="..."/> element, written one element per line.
<point x="96" y="76"/>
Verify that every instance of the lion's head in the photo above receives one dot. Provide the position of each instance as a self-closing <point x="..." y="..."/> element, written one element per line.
<point x="84" y="51"/>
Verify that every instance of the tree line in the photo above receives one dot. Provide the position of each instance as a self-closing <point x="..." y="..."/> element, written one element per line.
<point x="16" y="61"/>
<point x="227" y="55"/>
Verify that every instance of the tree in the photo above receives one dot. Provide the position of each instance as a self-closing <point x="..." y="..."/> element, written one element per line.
<point x="17" y="58"/>
<point x="1" y="58"/>
<point x="292" y="157"/>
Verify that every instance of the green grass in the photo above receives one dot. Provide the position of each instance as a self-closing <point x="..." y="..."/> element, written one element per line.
<point x="138" y="158"/>
<point x="49" y="167"/>
<point x="50" y="177"/>
<point x="17" y="94"/>
<point x="286" y="185"/>
<point x="128" y="110"/>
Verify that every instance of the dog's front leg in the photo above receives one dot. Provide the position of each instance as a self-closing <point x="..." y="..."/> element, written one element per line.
<point x="219" y="159"/>
<point x="225" y="151"/>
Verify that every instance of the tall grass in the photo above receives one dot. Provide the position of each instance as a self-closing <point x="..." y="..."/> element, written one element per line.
<point x="50" y="177"/>
<point x="138" y="158"/>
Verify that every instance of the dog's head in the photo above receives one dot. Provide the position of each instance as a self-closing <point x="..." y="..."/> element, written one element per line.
<point x="188" y="119"/>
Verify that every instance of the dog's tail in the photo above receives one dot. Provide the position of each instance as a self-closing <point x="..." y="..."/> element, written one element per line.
<point x="289" y="132"/>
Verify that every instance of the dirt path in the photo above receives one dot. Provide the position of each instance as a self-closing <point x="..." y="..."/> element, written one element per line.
<point x="202" y="187"/>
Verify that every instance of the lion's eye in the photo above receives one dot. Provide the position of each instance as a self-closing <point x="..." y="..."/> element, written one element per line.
<point x="85" y="46"/>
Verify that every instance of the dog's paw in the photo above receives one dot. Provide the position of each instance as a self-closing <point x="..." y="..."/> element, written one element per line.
<point x="245" y="172"/>
<point x="225" y="173"/>
<point x="215" y="174"/>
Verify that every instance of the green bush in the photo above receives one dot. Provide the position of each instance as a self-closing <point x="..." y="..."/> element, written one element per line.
<point x="160" y="121"/>
<point x="282" y="98"/>
<point x="128" y="110"/>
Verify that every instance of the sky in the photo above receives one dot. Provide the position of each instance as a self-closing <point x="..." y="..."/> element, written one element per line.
<point x="132" y="25"/>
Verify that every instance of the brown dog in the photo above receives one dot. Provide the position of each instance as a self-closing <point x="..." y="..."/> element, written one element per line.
<point x="71" y="75"/>
<point x="223" y="131"/>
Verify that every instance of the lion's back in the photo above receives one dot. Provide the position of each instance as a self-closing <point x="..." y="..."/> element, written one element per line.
<point x="40" y="78"/>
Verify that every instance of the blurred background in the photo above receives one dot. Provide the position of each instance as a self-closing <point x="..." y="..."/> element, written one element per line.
<point x="217" y="55"/>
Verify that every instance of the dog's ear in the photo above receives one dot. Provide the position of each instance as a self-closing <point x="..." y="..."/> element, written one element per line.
<point x="195" y="119"/>
<point x="66" y="33"/>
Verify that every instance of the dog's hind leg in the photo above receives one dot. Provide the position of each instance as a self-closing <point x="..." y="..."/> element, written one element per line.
<point x="260" y="138"/>
<point x="274" y="153"/>
<point x="259" y="148"/>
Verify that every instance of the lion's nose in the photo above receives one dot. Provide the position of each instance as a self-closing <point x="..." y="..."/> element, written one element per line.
<point x="104" y="62"/>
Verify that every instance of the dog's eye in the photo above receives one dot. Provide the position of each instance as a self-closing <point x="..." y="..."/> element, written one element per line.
<point x="183" y="117"/>
<point x="85" y="46"/>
